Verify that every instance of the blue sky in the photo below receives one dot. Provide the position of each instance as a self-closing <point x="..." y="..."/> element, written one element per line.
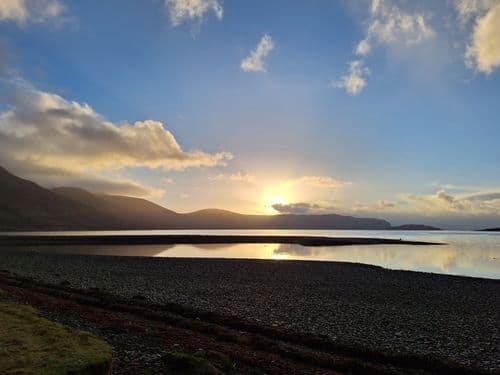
<point x="246" y="105"/>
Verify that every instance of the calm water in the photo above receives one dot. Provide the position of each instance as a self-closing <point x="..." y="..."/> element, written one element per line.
<point x="466" y="253"/>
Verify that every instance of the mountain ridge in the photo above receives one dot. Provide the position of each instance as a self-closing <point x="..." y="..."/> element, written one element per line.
<point x="24" y="205"/>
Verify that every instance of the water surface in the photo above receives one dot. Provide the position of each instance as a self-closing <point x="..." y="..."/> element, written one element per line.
<point x="465" y="253"/>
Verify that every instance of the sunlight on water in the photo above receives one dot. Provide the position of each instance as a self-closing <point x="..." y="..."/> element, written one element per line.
<point x="465" y="253"/>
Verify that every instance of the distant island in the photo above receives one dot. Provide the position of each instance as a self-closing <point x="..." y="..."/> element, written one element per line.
<point x="491" y="229"/>
<point x="414" y="227"/>
<point x="24" y="205"/>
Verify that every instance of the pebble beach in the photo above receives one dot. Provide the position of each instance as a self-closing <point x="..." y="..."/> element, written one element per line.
<point x="454" y="317"/>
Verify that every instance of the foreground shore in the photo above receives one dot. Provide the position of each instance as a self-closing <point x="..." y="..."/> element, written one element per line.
<point x="454" y="318"/>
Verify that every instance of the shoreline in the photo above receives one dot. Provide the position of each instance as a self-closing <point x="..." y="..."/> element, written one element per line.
<point x="453" y="317"/>
<point x="174" y="239"/>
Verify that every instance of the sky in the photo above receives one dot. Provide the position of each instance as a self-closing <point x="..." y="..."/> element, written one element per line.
<point x="373" y="108"/>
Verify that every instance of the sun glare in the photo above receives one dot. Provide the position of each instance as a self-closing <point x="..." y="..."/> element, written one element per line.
<point x="272" y="200"/>
<point x="273" y="194"/>
<point x="277" y="199"/>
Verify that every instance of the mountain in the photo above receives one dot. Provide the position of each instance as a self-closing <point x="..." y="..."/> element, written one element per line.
<point x="216" y="219"/>
<point x="25" y="205"/>
<point x="127" y="212"/>
<point x="142" y="214"/>
<point x="414" y="227"/>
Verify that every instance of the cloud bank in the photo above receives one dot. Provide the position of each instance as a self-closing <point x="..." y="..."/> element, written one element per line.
<point x="486" y="203"/>
<point x="44" y="134"/>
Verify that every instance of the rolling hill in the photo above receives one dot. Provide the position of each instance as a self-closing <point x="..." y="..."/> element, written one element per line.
<point x="24" y="205"/>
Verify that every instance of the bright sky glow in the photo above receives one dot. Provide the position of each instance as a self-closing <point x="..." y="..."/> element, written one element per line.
<point x="385" y="108"/>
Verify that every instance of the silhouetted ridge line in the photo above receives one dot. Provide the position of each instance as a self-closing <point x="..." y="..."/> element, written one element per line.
<point x="24" y="205"/>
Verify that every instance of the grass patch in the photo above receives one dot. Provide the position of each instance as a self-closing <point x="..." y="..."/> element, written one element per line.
<point x="30" y="344"/>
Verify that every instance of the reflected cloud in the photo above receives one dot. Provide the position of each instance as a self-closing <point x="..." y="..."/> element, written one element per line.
<point x="449" y="259"/>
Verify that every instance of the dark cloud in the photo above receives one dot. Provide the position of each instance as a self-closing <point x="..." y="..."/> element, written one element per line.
<point x="301" y="208"/>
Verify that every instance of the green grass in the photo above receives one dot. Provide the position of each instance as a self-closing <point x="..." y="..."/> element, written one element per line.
<point x="30" y="344"/>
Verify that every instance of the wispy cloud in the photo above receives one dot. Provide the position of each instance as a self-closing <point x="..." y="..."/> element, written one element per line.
<point x="363" y="48"/>
<point x="468" y="10"/>
<point x="234" y="177"/>
<point x="323" y="182"/>
<point x="26" y="11"/>
<point x="192" y="10"/>
<point x="355" y="81"/>
<point x="255" y="61"/>
<point x="383" y="204"/>
<point x="390" y="25"/>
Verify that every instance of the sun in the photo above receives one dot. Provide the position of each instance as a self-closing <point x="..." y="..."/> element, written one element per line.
<point x="271" y="195"/>
<point x="277" y="199"/>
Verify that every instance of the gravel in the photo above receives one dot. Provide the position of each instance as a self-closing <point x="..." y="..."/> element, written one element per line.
<point x="450" y="316"/>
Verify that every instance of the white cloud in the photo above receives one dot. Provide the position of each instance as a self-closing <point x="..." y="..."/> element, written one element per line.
<point x="235" y="177"/>
<point x="321" y="182"/>
<point x="24" y="11"/>
<point x="481" y="203"/>
<point x="47" y="133"/>
<point x="355" y="81"/>
<point x="388" y="24"/>
<point x="192" y="10"/>
<point x="324" y="182"/>
<point x="255" y="61"/>
<point x="483" y="52"/>
<point x="469" y="9"/>
<point x="392" y="24"/>
<point x="363" y="48"/>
